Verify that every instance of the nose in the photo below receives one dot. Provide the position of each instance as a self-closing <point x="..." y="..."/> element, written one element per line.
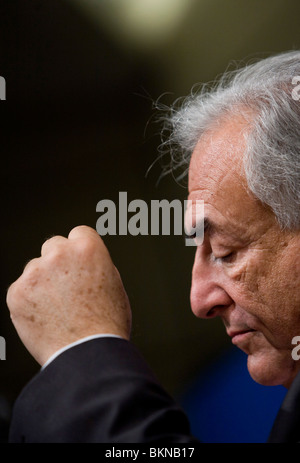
<point x="208" y="296"/>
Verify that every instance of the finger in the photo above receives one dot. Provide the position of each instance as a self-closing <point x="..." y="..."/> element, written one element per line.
<point x="32" y="264"/>
<point x="14" y="292"/>
<point x="52" y="243"/>
<point x="89" y="240"/>
<point x="83" y="231"/>
<point x="11" y="295"/>
<point x="29" y="266"/>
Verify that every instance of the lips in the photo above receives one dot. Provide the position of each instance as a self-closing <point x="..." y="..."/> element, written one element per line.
<point x="239" y="335"/>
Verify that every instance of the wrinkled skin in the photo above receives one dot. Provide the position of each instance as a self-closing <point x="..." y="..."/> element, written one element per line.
<point x="71" y="291"/>
<point x="247" y="269"/>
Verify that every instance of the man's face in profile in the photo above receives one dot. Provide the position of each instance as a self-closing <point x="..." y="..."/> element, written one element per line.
<point x="247" y="269"/>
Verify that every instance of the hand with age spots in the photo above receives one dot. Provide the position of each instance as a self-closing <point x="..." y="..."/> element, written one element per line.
<point x="73" y="290"/>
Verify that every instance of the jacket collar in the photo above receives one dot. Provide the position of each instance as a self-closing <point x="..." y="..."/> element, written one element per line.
<point x="286" y="427"/>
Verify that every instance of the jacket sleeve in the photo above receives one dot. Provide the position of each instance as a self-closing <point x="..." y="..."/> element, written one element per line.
<point x="98" y="391"/>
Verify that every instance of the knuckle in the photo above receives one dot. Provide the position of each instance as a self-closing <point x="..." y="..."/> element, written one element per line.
<point x="54" y="259"/>
<point x="10" y="295"/>
<point x="14" y="296"/>
<point x="50" y="244"/>
<point x="31" y="270"/>
<point x="45" y="245"/>
<point x="86" y="247"/>
<point x="19" y="291"/>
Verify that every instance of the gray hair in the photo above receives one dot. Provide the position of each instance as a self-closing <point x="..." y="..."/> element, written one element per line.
<point x="268" y="90"/>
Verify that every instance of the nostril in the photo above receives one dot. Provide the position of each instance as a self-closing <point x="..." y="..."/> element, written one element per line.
<point x="215" y="311"/>
<point x="211" y="313"/>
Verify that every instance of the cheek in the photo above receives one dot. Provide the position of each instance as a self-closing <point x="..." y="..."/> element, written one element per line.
<point x="249" y="278"/>
<point x="250" y="287"/>
<point x="266" y="289"/>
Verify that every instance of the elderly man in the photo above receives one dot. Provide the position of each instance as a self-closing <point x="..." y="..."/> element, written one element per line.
<point x="241" y="143"/>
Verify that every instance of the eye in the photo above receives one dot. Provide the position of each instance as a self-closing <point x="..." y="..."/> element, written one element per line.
<point x="227" y="258"/>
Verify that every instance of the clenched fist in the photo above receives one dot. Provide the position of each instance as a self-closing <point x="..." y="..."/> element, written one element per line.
<point x="73" y="290"/>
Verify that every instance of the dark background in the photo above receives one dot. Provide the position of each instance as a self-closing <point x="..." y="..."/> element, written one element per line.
<point x="78" y="126"/>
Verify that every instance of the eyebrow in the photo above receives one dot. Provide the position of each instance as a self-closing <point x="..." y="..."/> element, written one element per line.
<point x="209" y="227"/>
<point x="212" y="228"/>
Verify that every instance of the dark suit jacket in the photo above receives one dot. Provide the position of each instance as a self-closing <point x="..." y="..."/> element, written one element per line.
<point x="286" y="428"/>
<point x="99" y="391"/>
<point x="103" y="391"/>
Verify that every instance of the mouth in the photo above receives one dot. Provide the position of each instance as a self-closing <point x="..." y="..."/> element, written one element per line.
<point x="240" y="336"/>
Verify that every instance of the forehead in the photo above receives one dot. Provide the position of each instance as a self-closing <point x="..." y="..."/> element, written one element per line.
<point x="216" y="176"/>
<point x="218" y="156"/>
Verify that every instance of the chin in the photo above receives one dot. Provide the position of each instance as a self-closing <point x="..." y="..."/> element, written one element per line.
<point x="271" y="370"/>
